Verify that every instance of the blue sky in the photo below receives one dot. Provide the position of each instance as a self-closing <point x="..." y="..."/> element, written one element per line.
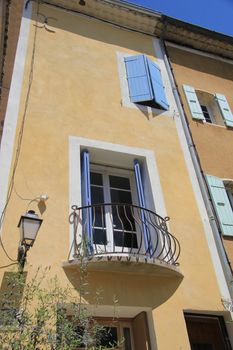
<point x="216" y="15"/>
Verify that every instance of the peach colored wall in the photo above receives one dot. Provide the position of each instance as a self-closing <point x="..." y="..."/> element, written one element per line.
<point x="213" y="142"/>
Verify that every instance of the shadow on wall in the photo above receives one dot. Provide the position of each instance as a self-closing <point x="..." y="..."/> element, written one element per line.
<point x="130" y="290"/>
<point x="59" y="19"/>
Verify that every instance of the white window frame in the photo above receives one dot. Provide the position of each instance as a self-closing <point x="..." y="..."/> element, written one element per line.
<point x="106" y="171"/>
<point x="118" y="156"/>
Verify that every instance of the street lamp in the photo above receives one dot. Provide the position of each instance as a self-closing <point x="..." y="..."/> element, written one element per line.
<point x="29" y="225"/>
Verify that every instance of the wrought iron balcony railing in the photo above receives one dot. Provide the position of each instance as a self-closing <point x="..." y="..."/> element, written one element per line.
<point x="122" y="229"/>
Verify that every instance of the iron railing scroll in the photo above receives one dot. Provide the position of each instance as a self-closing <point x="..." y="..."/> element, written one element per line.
<point x="122" y="229"/>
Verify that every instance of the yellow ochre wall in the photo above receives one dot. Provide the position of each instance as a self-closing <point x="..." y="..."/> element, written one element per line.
<point x="213" y="142"/>
<point x="76" y="91"/>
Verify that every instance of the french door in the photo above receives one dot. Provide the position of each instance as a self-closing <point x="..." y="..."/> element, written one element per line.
<point x="113" y="217"/>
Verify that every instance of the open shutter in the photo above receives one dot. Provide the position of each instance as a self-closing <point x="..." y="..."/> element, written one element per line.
<point x="225" y="109"/>
<point x="221" y="203"/>
<point x="193" y="102"/>
<point x="157" y="85"/>
<point x="86" y="199"/>
<point x="141" y="200"/>
<point x="140" y="89"/>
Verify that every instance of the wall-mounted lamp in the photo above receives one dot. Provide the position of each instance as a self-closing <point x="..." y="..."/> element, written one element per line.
<point x="29" y="225"/>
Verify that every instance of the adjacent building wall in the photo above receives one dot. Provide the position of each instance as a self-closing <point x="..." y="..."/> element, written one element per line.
<point x="213" y="141"/>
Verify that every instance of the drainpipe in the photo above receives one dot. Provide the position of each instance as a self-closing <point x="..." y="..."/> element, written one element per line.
<point x="200" y="176"/>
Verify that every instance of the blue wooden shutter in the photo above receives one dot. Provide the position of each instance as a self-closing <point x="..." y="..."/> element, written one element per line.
<point x="86" y="199"/>
<point x="193" y="102"/>
<point x="141" y="200"/>
<point x="221" y="203"/>
<point x="139" y="84"/>
<point x="157" y="85"/>
<point x="225" y="109"/>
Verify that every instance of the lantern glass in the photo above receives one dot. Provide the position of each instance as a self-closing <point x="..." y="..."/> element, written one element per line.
<point x="29" y="225"/>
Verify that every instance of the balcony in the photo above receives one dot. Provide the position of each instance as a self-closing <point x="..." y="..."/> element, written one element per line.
<point x="123" y="238"/>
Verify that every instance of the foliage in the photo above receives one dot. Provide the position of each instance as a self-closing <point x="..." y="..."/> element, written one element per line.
<point x="34" y="317"/>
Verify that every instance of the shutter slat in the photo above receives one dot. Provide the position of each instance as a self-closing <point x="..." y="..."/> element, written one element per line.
<point x="140" y="89"/>
<point x="157" y="85"/>
<point x="86" y="199"/>
<point x="193" y="102"/>
<point x="221" y="203"/>
<point x="225" y="109"/>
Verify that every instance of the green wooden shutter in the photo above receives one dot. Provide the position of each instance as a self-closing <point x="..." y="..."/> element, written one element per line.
<point x="221" y="203"/>
<point x="225" y="109"/>
<point x="193" y="102"/>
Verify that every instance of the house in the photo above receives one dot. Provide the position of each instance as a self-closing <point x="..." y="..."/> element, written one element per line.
<point x="95" y="125"/>
<point x="203" y="76"/>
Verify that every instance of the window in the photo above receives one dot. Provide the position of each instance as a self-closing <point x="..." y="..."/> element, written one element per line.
<point x="114" y="217"/>
<point x="101" y="332"/>
<point x="211" y="108"/>
<point x="207" y="332"/>
<point x="145" y="82"/>
<point x="206" y="114"/>
<point x="111" y="221"/>
<point x="116" y="333"/>
<point x="222" y="204"/>
<point x="127" y="333"/>
<point x="115" y="186"/>
<point x="139" y="166"/>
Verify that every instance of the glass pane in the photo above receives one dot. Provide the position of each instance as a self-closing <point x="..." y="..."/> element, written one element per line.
<point x="119" y="182"/>
<point x="99" y="236"/>
<point x="96" y="179"/>
<point x="204" y="108"/>
<point x="97" y="195"/>
<point x="107" y="337"/>
<point x="127" y="339"/>
<point x="80" y="331"/>
<point x="123" y="218"/>
<point x="206" y="114"/>
<point x="98" y="216"/>
<point x="118" y="196"/>
<point x="200" y="346"/>
<point x="125" y="239"/>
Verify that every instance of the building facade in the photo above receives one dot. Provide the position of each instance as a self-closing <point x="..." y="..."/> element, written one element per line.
<point x="93" y="122"/>
<point x="204" y="77"/>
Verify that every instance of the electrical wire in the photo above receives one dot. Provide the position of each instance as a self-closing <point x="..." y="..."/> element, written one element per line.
<point x="21" y="132"/>
<point x="92" y="17"/>
<point x="18" y="195"/>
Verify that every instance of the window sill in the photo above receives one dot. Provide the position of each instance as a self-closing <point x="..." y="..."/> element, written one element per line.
<point x="210" y="124"/>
